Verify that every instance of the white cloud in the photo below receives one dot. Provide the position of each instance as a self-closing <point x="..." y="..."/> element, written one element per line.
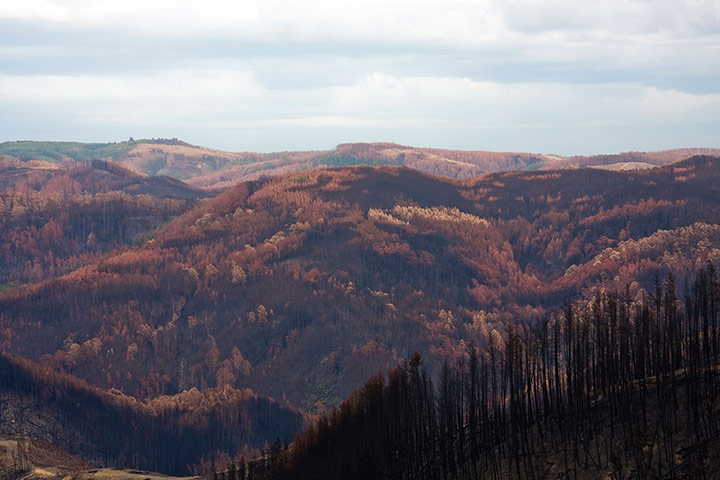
<point x="147" y="16"/>
<point x="402" y="106"/>
<point x="416" y="71"/>
<point x="180" y="85"/>
<point x="652" y="39"/>
<point x="33" y="10"/>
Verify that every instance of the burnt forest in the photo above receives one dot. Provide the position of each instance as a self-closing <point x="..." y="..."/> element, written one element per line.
<point x="371" y="311"/>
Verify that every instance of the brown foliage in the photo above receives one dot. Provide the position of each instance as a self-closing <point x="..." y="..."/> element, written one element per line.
<point x="354" y="268"/>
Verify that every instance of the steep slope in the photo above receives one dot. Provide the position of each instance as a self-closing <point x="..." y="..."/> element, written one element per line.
<point x="303" y="286"/>
<point x="565" y="398"/>
<point x="608" y="388"/>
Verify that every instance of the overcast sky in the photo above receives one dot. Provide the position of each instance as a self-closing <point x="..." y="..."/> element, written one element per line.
<point x="549" y="76"/>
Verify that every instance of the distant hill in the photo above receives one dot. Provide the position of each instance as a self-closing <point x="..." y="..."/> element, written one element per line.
<point x="302" y="286"/>
<point x="215" y="169"/>
<point x="44" y="178"/>
<point x="662" y="157"/>
<point x="66" y="152"/>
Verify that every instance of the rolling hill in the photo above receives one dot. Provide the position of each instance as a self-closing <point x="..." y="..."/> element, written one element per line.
<point x="302" y="286"/>
<point x="214" y="169"/>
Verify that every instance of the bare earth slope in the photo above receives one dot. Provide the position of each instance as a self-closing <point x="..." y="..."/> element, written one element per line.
<point x="27" y="458"/>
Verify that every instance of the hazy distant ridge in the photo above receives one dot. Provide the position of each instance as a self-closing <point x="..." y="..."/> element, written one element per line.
<point x="212" y="169"/>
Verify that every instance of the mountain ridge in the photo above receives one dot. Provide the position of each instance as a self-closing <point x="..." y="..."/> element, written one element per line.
<point x="215" y="169"/>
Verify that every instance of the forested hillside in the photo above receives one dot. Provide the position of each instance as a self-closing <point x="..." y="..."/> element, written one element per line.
<point x="302" y="286"/>
<point x="54" y="219"/>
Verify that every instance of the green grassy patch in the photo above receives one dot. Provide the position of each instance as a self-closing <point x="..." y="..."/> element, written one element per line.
<point x="338" y="160"/>
<point x="9" y="286"/>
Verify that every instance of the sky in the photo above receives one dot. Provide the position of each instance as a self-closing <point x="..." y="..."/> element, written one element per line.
<point x="551" y="76"/>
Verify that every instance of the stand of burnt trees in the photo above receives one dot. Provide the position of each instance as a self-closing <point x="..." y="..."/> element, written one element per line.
<point x="611" y="388"/>
<point x="172" y="435"/>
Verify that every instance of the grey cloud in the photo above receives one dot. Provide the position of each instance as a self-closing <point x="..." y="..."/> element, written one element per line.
<point x="314" y="66"/>
<point x="29" y="48"/>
